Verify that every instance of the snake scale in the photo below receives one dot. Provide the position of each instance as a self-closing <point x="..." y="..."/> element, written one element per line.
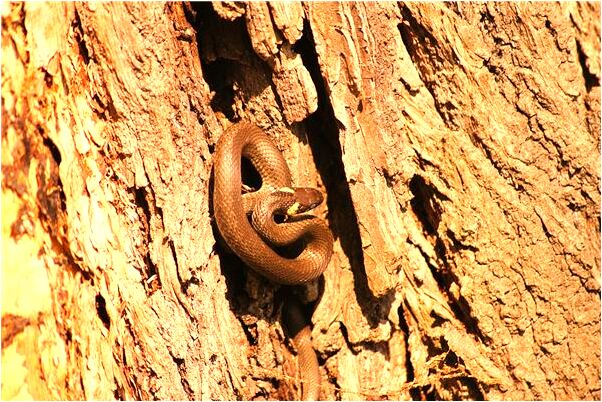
<point x="256" y="240"/>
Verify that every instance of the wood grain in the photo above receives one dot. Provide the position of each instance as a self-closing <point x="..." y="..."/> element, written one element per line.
<point x="458" y="146"/>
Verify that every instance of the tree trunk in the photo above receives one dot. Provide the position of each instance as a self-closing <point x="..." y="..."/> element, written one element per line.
<point x="457" y="146"/>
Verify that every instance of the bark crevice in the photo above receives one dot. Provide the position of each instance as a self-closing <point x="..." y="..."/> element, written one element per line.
<point x="323" y="139"/>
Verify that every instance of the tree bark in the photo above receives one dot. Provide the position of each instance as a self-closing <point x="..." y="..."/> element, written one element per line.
<point x="457" y="146"/>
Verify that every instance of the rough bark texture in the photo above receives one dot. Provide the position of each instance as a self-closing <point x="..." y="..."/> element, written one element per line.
<point x="457" y="145"/>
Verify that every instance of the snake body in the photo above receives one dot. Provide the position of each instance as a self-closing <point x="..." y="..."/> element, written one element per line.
<point x="255" y="243"/>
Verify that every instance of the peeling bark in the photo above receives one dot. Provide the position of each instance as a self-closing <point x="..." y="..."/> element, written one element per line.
<point x="457" y="146"/>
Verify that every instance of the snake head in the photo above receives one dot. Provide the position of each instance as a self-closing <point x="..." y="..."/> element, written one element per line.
<point x="305" y="199"/>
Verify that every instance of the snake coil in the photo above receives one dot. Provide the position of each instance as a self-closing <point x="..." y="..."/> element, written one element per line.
<point x="255" y="242"/>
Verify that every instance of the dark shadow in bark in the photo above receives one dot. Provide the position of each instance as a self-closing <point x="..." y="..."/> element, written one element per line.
<point x="326" y="149"/>
<point x="230" y="66"/>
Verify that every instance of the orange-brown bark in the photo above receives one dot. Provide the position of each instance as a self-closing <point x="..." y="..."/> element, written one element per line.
<point x="457" y="146"/>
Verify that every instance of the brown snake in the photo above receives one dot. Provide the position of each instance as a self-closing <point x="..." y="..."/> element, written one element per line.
<point x="255" y="243"/>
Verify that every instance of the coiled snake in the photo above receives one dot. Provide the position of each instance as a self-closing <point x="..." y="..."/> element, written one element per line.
<point x="255" y="243"/>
